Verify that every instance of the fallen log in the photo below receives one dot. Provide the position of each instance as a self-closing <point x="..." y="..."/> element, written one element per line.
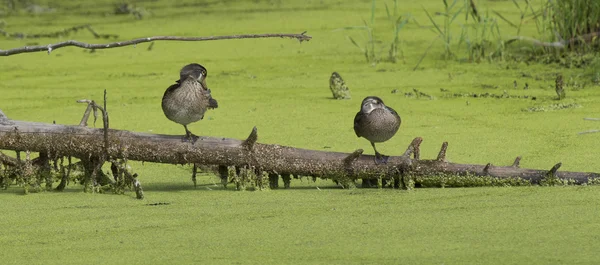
<point x="261" y="159"/>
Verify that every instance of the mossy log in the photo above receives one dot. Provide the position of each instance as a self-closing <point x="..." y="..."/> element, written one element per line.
<point x="84" y="142"/>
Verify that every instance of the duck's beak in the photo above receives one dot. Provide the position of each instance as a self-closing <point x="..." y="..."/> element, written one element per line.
<point x="203" y="82"/>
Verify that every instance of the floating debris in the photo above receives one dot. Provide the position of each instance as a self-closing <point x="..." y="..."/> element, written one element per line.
<point x="553" y="107"/>
<point x="418" y="94"/>
<point x="558" y="87"/>
<point x="486" y="86"/>
<point x="338" y="87"/>
<point x="491" y="95"/>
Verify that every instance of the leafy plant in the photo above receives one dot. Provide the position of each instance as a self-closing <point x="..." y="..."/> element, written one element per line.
<point x="398" y="22"/>
<point x="482" y="39"/>
<point x="450" y="14"/>
<point x="369" y="47"/>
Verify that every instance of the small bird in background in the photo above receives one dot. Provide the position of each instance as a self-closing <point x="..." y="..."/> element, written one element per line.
<point x="187" y="100"/>
<point x="559" y="87"/>
<point x="377" y="123"/>
<point x="338" y="87"/>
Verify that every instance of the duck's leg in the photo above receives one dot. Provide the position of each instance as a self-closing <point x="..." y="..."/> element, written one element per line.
<point x="188" y="135"/>
<point x="379" y="158"/>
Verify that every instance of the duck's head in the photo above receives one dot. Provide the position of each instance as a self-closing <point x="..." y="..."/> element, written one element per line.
<point x="195" y="71"/>
<point x="371" y="103"/>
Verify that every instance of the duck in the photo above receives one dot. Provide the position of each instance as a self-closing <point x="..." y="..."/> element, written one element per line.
<point x="189" y="98"/>
<point x="377" y="123"/>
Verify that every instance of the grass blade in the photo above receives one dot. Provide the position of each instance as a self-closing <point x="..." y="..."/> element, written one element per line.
<point x="505" y="20"/>
<point x="440" y="32"/>
<point x="355" y="44"/>
<point x="456" y="14"/>
<point x="373" y="13"/>
<point x="452" y="5"/>
<point x="425" y="53"/>
<point x="516" y="4"/>
<point x="350" y="27"/>
<point x="387" y="10"/>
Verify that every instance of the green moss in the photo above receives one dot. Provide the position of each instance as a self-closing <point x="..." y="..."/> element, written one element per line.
<point x="447" y="180"/>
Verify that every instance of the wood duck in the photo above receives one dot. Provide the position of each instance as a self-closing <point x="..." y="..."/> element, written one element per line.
<point x="187" y="100"/>
<point x="377" y="123"/>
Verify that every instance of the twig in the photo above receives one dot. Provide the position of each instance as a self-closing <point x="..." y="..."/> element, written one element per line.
<point x="50" y="47"/>
<point x="536" y="42"/>
<point x="7" y="160"/>
<point x="92" y="106"/>
<point x="590" y="131"/>
<point x="105" y="126"/>
<point x="585" y="38"/>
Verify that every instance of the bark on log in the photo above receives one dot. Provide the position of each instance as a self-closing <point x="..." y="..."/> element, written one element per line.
<point x="83" y="142"/>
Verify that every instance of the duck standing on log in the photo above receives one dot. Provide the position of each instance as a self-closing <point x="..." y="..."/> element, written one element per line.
<point x="187" y="100"/>
<point x="377" y="123"/>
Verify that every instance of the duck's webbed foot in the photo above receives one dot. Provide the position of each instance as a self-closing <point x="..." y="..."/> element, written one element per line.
<point x="189" y="136"/>
<point x="381" y="159"/>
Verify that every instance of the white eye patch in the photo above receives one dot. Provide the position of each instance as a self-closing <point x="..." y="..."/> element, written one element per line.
<point x="368" y="107"/>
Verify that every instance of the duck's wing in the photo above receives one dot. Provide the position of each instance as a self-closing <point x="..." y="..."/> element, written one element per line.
<point x="357" y="122"/>
<point x="391" y="110"/>
<point x="170" y="90"/>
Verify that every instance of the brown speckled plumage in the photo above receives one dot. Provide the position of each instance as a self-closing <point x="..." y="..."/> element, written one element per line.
<point x="187" y="100"/>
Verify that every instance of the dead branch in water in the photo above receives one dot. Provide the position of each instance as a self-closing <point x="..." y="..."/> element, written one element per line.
<point x="590" y="131"/>
<point x="255" y="162"/>
<point x="51" y="47"/>
<point x="562" y="44"/>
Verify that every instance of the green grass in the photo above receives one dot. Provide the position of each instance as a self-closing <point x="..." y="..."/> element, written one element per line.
<point x="281" y="86"/>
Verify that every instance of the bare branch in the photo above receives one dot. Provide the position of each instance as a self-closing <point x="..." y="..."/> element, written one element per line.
<point x="554" y="169"/>
<point x="352" y="157"/>
<point x="585" y="38"/>
<point x="249" y="143"/>
<point x="442" y="154"/>
<point x="50" y="47"/>
<point x="536" y="42"/>
<point x="590" y="131"/>
<point x="517" y="161"/>
<point x="413" y="148"/>
<point x="486" y="169"/>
